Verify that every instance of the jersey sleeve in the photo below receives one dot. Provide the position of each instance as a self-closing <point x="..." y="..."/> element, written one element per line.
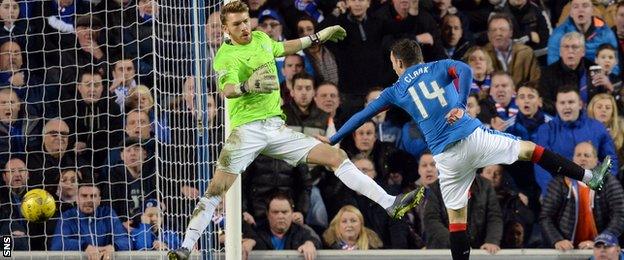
<point x="278" y="48"/>
<point x="380" y="104"/>
<point x="227" y="69"/>
<point x="462" y="78"/>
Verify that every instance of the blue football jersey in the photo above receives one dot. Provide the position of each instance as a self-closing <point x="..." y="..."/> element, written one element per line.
<point x="427" y="92"/>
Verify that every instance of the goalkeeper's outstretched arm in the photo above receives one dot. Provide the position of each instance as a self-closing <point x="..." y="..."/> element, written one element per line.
<point x="333" y="33"/>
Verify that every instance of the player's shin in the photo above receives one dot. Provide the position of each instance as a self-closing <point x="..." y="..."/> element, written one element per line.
<point x="360" y="182"/>
<point x="460" y="243"/>
<point x="557" y="164"/>
<point x="200" y="219"/>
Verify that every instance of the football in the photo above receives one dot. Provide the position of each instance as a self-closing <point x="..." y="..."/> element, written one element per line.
<point x="38" y="205"/>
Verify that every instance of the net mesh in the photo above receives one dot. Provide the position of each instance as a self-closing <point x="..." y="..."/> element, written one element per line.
<point x="116" y="96"/>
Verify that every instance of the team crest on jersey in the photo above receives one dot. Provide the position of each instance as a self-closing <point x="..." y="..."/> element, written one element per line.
<point x="266" y="47"/>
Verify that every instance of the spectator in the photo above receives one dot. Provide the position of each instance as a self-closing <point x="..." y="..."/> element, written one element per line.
<point x="148" y="234"/>
<point x="394" y="233"/>
<point x="388" y="131"/>
<point x="302" y="114"/>
<point x="327" y="98"/>
<point x="293" y="64"/>
<point x="571" y="127"/>
<point x="46" y="165"/>
<point x="529" y="23"/>
<point x="503" y="93"/>
<point x="573" y="215"/>
<point x="484" y="213"/>
<point x="15" y="181"/>
<point x="266" y="175"/>
<point x="607" y="59"/>
<point x="140" y="98"/>
<point x="271" y="23"/>
<point x="279" y="232"/>
<point x="214" y="35"/>
<point x="131" y="183"/>
<point x="14" y="75"/>
<point x="68" y="189"/>
<point x="138" y="37"/>
<point x="385" y="156"/>
<point x="472" y="105"/>
<point x="516" y="59"/>
<point x="571" y="69"/>
<point x="607" y="247"/>
<point x="88" y="47"/>
<point x="94" y="117"/>
<point x="514" y="206"/>
<point x="482" y="67"/>
<point x="19" y="132"/>
<point x="529" y="102"/>
<point x="428" y="174"/>
<point x="12" y="29"/>
<point x="348" y="232"/>
<point x="603" y="108"/>
<point x="123" y="80"/>
<point x="407" y="20"/>
<point x="322" y="59"/>
<point x="582" y="21"/>
<point x="90" y="227"/>
<point x="618" y="30"/>
<point x="454" y="41"/>
<point x="138" y="125"/>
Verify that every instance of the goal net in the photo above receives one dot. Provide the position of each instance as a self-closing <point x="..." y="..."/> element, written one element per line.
<point x="111" y="107"/>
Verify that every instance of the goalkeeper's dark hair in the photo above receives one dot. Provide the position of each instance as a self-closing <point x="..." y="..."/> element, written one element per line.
<point x="233" y="8"/>
<point x="408" y="51"/>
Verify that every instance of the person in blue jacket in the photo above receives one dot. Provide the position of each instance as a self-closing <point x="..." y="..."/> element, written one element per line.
<point x="571" y="127"/>
<point x="146" y="237"/>
<point x="595" y="30"/>
<point x="90" y="227"/>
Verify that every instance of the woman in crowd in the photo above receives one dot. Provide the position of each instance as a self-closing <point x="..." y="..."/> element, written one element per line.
<point x="347" y="232"/>
<point x="482" y="67"/>
<point x="603" y="108"/>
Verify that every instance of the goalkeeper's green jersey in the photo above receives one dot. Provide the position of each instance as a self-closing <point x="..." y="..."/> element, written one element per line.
<point x="235" y="63"/>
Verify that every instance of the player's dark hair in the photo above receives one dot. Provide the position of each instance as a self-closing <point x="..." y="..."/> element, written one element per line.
<point x="408" y="51"/>
<point x="279" y="195"/>
<point x="303" y="75"/>
<point x="232" y="8"/>
<point x="501" y="16"/>
<point x="567" y="88"/>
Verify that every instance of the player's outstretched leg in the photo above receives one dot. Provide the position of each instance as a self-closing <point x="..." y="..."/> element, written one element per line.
<point x="202" y="214"/>
<point x="557" y="164"/>
<point x="458" y="234"/>
<point x="351" y="176"/>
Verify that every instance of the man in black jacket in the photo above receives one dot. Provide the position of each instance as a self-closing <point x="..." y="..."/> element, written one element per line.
<point x="279" y="232"/>
<point x="485" y="218"/>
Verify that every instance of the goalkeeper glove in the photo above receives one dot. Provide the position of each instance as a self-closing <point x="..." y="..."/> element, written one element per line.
<point x="333" y="33"/>
<point x="260" y="81"/>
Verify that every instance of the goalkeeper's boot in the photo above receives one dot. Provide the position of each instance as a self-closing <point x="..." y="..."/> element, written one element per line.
<point x="181" y="253"/>
<point x="599" y="173"/>
<point x="405" y="202"/>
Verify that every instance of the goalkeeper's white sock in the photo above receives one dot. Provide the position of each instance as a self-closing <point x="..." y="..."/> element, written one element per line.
<point x="360" y="182"/>
<point x="200" y="220"/>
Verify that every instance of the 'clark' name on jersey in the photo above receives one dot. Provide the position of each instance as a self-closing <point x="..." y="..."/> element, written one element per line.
<point x="414" y="74"/>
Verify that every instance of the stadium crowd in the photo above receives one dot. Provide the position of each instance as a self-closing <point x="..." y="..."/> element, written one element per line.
<point x="78" y="119"/>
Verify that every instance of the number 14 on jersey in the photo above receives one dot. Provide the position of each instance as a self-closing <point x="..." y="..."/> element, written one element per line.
<point x="436" y="93"/>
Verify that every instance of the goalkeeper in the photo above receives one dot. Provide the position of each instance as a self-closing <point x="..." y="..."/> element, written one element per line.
<point x="248" y="78"/>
